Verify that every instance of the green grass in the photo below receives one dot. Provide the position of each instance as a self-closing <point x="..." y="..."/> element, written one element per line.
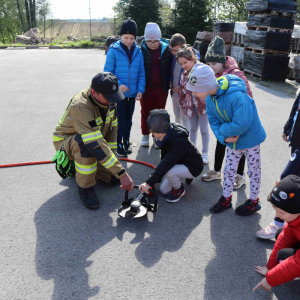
<point x="86" y="44"/>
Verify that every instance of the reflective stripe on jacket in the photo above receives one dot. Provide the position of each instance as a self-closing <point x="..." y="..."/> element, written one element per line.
<point x="98" y="136"/>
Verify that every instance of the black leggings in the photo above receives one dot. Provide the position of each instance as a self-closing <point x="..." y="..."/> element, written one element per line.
<point x="285" y="253"/>
<point x="219" y="157"/>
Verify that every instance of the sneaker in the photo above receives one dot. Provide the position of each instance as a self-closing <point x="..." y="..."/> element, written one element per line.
<point x="211" y="175"/>
<point x="175" y="195"/>
<point x="239" y="182"/>
<point x="120" y="151"/>
<point x="247" y="208"/>
<point x="221" y="205"/>
<point x="269" y="232"/>
<point x="88" y="197"/>
<point x="127" y="147"/>
<point x="205" y="158"/>
<point x="145" y="141"/>
<point x="154" y="143"/>
<point x="189" y="181"/>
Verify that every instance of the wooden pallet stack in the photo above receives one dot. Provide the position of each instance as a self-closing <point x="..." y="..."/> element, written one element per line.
<point x="294" y="64"/>
<point x="267" y="41"/>
<point x="225" y="31"/>
<point x="203" y="39"/>
<point x="237" y="45"/>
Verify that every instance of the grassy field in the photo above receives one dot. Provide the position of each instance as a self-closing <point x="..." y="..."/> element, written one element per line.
<point x="60" y="29"/>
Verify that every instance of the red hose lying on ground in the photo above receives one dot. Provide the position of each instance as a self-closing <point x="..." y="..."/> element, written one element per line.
<point x="50" y="162"/>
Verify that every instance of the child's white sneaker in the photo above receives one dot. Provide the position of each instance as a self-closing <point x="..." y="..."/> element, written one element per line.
<point x="211" y="175"/>
<point x="269" y="232"/>
<point x="205" y="158"/>
<point x="154" y="143"/>
<point x="239" y="181"/>
<point x="145" y="141"/>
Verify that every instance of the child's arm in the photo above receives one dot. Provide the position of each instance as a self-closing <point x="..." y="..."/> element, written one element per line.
<point x="286" y="239"/>
<point x="169" y="161"/>
<point x="214" y="123"/>
<point x="141" y="77"/>
<point x="110" y="63"/>
<point x="241" y="122"/>
<point x="286" y="271"/>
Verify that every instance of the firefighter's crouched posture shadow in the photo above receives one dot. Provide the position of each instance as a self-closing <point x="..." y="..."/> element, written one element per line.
<point x="86" y="139"/>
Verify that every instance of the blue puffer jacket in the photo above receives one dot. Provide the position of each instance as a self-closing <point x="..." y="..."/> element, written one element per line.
<point x="131" y="75"/>
<point x="232" y="112"/>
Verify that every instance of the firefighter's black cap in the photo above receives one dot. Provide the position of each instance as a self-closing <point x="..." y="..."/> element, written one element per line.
<point x="106" y="83"/>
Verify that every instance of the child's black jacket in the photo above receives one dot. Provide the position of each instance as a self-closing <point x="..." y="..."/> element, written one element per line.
<point x="295" y="140"/>
<point x="177" y="149"/>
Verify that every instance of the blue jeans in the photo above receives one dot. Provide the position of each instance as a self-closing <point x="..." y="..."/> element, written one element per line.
<point x="125" y="111"/>
<point x="293" y="166"/>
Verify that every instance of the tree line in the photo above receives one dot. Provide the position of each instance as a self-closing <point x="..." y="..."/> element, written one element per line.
<point x="18" y="16"/>
<point x="184" y="16"/>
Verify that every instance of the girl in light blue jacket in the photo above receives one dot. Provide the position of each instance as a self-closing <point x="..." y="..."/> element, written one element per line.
<point x="233" y="118"/>
<point x="125" y="60"/>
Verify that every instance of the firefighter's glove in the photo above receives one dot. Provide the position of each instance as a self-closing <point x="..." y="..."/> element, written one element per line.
<point x="64" y="166"/>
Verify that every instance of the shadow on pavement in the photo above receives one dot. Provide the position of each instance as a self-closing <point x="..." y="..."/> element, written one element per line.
<point x="170" y="227"/>
<point x="68" y="233"/>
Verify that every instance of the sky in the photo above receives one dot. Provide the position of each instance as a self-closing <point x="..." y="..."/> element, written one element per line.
<point x="70" y="9"/>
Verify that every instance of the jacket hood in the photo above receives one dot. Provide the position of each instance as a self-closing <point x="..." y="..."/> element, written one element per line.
<point x="229" y="84"/>
<point x="179" y="131"/>
<point x="164" y="45"/>
<point x="231" y="65"/>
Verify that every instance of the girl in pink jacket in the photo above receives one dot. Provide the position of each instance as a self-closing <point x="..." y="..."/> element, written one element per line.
<point x="223" y="65"/>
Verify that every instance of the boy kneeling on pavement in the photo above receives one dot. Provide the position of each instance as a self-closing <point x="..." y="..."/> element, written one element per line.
<point x="284" y="262"/>
<point x="180" y="159"/>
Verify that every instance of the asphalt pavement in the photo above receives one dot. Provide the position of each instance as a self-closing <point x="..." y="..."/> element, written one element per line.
<point x="52" y="247"/>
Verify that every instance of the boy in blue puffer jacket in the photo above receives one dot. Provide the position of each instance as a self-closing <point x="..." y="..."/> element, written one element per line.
<point x="125" y="60"/>
<point x="233" y="118"/>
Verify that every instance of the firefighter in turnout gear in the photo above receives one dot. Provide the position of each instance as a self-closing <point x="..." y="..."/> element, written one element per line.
<point x="87" y="132"/>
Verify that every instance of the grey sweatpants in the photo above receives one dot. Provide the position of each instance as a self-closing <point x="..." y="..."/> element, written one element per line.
<point x="180" y="118"/>
<point x="174" y="178"/>
<point x="201" y="122"/>
<point x="254" y="170"/>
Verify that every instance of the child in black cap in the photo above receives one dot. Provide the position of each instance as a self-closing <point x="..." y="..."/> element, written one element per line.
<point x="125" y="60"/>
<point x="284" y="262"/>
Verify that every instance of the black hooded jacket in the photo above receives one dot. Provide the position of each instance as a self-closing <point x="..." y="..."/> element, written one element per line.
<point x="177" y="149"/>
<point x="295" y="141"/>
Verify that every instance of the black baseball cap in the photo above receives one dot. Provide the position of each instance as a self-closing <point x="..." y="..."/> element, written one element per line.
<point x="286" y="194"/>
<point x="106" y="83"/>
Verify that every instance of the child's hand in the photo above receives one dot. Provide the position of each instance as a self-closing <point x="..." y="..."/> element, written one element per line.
<point x="176" y="90"/>
<point x="232" y="139"/>
<point x="144" y="187"/>
<point x="138" y="96"/>
<point x="123" y="88"/>
<point x="264" y="285"/>
<point x="261" y="270"/>
<point x="284" y="137"/>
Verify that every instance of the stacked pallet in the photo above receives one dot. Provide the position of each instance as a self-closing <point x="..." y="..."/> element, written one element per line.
<point x="225" y="31"/>
<point x="237" y="45"/>
<point x="267" y="41"/>
<point x="294" y="64"/>
<point x="202" y="42"/>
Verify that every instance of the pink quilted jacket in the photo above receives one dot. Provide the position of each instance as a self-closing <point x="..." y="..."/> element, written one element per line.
<point x="233" y="68"/>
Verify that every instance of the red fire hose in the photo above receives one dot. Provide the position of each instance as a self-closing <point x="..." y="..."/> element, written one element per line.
<point x="50" y="162"/>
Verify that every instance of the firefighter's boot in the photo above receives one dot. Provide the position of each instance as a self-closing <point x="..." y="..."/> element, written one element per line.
<point x="88" y="197"/>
